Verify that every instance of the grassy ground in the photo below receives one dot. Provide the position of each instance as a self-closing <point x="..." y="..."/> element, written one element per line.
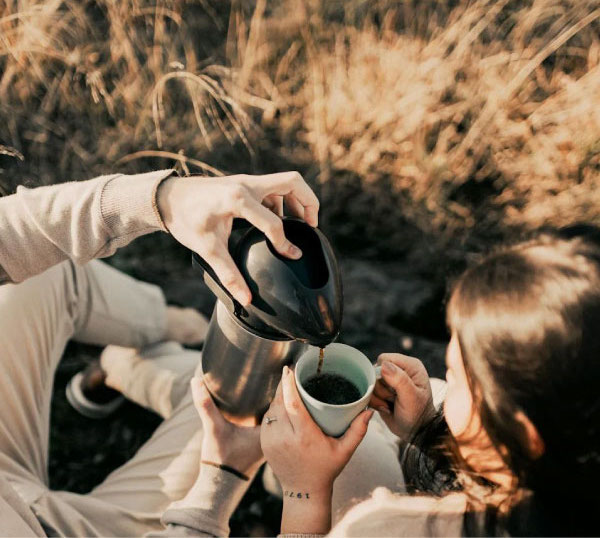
<point x="430" y="129"/>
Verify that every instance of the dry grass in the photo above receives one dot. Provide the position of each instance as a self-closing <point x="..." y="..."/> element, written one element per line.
<point x="478" y="116"/>
<point x="83" y="85"/>
<point x="489" y="113"/>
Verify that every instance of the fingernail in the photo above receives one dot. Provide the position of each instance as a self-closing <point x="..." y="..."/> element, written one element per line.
<point x="388" y="367"/>
<point x="243" y="297"/>
<point x="285" y="371"/>
<point x="384" y="409"/>
<point x="295" y="252"/>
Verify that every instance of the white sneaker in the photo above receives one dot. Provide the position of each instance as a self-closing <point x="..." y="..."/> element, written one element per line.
<point x="84" y="405"/>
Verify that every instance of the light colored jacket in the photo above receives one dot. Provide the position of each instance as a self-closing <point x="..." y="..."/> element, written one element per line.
<point x="82" y="221"/>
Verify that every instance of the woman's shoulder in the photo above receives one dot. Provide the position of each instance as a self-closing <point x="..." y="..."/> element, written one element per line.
<point x="391" y="514"/>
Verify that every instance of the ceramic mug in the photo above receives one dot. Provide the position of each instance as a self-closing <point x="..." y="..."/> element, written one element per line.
<point x="347" y="362"/>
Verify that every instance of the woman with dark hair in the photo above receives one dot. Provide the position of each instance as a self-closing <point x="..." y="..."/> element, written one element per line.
<point x="516" y="450"/>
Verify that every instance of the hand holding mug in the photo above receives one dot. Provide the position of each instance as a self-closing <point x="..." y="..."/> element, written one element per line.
<point x="403" y="394"/>
<point x="305" y="460"/>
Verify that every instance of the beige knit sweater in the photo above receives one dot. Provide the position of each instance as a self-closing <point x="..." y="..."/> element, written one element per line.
<point x="91" y="219"/>
<point x="85" y="220"/>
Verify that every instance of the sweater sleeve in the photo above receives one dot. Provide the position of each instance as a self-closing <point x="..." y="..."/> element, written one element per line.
<point x="207" y="508"/>
<point x="389" y="514"/>
<point x="78" y="220"/>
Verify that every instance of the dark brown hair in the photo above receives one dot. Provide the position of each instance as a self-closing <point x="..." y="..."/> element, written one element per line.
<point x="527" y="318"/>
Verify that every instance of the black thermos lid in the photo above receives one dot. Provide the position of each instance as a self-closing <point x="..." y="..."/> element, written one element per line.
<point x="299" y="299"/>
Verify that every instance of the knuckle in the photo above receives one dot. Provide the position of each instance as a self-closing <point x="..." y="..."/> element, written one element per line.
<point x="228" y="280"/>
<point x="205" y="403"/>
<point x="238" y="194"/>
<point x="210" y="253"/>
<point x="209" y="249"/>
<point x="275" y="229"/>
<point x="295" y="405"/>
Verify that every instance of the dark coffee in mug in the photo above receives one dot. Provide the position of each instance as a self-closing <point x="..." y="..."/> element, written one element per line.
<point x="332" y="389"/>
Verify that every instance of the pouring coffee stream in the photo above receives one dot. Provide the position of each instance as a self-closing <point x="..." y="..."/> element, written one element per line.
<point x="321" y="357"/>
<point x="294" y="303"/>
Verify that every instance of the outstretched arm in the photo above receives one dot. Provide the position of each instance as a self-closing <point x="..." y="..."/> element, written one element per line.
<point x="79" y="220"/>
<point x="42" y="227"/>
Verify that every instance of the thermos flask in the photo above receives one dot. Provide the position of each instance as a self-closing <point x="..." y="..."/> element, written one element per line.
<point x="294" y="303"/>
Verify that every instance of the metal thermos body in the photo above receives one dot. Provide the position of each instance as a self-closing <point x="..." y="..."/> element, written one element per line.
<point x="242" y="369"/>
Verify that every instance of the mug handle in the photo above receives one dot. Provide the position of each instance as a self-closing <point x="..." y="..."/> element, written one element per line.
<point x="377" y="371"/>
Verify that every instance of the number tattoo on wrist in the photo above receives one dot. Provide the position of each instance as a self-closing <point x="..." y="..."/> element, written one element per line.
<point x="295" y="494"/>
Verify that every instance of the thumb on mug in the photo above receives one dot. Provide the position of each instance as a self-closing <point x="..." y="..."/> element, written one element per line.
<point x="357" y="430"/>
<point x="395" y="376"/>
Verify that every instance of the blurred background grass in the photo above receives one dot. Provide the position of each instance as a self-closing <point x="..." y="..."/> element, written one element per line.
<point x="429" y="129"/>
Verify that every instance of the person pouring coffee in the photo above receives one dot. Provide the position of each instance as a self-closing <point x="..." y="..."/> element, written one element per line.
<point x="53" y="291"/>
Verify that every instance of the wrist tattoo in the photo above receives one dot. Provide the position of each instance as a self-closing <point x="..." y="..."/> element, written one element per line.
<point x="295" y="494"/>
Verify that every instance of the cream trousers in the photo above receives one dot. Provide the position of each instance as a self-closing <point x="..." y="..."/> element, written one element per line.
<point x="97" y="304"/>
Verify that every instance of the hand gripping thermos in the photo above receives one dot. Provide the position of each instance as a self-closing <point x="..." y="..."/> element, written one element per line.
<point x="294" y="303"/>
